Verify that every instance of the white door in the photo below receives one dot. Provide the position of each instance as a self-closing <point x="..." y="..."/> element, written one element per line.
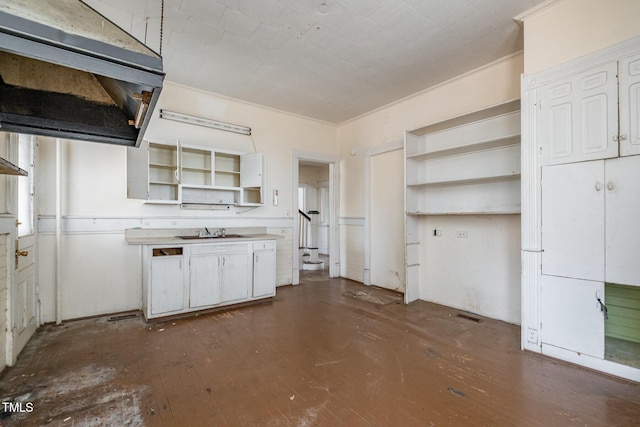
<point x="235" y="276"/>
<point x="5" y="262"/>
<point x="580" y="117"/>
<point x="622" y="215"/>
<point x="573" y="198"/>
<point x="24" y="297"/>
<point x="630" y="106"/>
<point x="204" y="280"/>
<point x="387" y="266"/>
<point x="571" y="316"/>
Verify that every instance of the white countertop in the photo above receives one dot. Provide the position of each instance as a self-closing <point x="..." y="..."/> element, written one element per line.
<point x="168" y="236"/>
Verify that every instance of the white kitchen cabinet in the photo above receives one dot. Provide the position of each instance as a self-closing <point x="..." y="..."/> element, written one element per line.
<point x="264" y="269"/>
<point x="590" y="212"/>
<point x="166" y="274"/>
<point x="622" y="244"/>
<point x="153" y="173"/>
<point x="573" y="220"/>
<point x="579" y="117"/>
<point x="204" y="280"/>
<point x="203" y="275"/>
<point x="234" y="274"/>
<point x="630" y="105"/>
<point x="571" y="316"/>
<point x="192" y="174"/>
<point x="581" y="167"/>
<point x="252" y="179"/>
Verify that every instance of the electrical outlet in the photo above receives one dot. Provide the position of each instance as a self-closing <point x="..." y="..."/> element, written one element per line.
<point x="462" y="234"/>
<point x="532" y="336"/>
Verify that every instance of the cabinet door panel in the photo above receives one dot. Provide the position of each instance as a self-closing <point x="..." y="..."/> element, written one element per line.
<point x="251" y="170"/>
<point x="167" y="284"/>
<point x="570" y="315"/>
<point x="622" y="215"/>
<point x="630" y="106"/>
<point x="264" y="273"/>
<point x="579" y="117"/>
<point x="573" y="220"/>
<point x="204" y="280"/>
<point x="138" y="171"/>
<point x="235" y="276"/>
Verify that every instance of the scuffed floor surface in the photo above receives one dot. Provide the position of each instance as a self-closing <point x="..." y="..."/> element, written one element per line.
<point x="311" y="357"/>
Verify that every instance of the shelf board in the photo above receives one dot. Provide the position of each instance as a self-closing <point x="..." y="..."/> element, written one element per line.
<point x="470" y="181"/>
<point x="163" y="183"/>
<point x="465" y="119"/>
<point x="194" y="169"/>
<point x="230" y="172"/>
<point x="210" y="187"/>
<point x="443" y="213"/>
<point x="162" y="166"/>
<point x="161" y="202"/>
<point x="8" y="168"/>
<point x="468" y="148"/>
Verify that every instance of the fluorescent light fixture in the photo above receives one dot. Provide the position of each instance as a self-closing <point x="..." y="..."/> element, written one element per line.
<point x="200" y="121"/>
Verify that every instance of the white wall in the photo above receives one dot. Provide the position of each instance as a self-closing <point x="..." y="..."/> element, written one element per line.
<point x="479" y="273"/>
<point x="493" y="84"/>
<point x="570" y="29"/>
<point x="101" y="273"/>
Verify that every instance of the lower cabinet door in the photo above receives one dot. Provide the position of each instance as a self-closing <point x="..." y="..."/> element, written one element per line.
<point x="264" y="273"/>
<point x="571" y="316"/>
<point x="167" y="284"/>
<point x="204" y="280"/>
<point x="234" y="276"/>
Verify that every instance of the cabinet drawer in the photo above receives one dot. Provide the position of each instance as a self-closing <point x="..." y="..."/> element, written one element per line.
<point x="264" y="244"/>
<point x="219" y="248"/>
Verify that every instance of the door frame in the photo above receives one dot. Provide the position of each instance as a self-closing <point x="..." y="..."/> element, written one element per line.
<point x="333" y="162"/>
<point x="368" y="154"/>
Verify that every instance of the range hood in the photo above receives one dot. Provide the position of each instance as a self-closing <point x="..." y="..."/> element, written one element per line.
<point x="68" y="72"/>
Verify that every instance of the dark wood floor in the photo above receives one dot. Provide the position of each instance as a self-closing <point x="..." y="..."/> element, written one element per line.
<point x="325" y="353"/>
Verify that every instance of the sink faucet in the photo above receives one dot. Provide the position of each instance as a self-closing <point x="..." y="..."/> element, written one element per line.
<point x="221" y="232"/>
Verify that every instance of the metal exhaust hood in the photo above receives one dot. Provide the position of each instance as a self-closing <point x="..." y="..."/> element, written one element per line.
<point x="68" y="72"/>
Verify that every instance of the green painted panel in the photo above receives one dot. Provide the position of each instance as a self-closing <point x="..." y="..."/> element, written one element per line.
<point x="623" y="304"/>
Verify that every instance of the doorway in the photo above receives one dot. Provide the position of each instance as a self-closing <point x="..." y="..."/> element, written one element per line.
<point x="315" y="232"/>
<point x="313" y="208"/>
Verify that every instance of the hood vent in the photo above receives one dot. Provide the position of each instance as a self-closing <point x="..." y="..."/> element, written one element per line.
<point x="68" y="72"/>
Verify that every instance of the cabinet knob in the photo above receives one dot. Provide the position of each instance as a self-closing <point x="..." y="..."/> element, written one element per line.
<point x="598" y="186"/>
<point x="623" y="137"/>
<point x="611" y="186"/>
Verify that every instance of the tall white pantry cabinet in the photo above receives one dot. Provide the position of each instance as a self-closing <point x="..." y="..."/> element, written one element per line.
<point x="580" y="208"/>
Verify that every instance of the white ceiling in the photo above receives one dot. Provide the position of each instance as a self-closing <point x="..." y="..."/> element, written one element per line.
<point x="331" y="60"/>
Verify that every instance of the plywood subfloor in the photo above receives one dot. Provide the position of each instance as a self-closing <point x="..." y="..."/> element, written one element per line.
<point x="311" y="357"/>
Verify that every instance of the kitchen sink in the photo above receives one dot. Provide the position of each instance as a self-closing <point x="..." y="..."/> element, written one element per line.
<point x="211" y="236"/>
